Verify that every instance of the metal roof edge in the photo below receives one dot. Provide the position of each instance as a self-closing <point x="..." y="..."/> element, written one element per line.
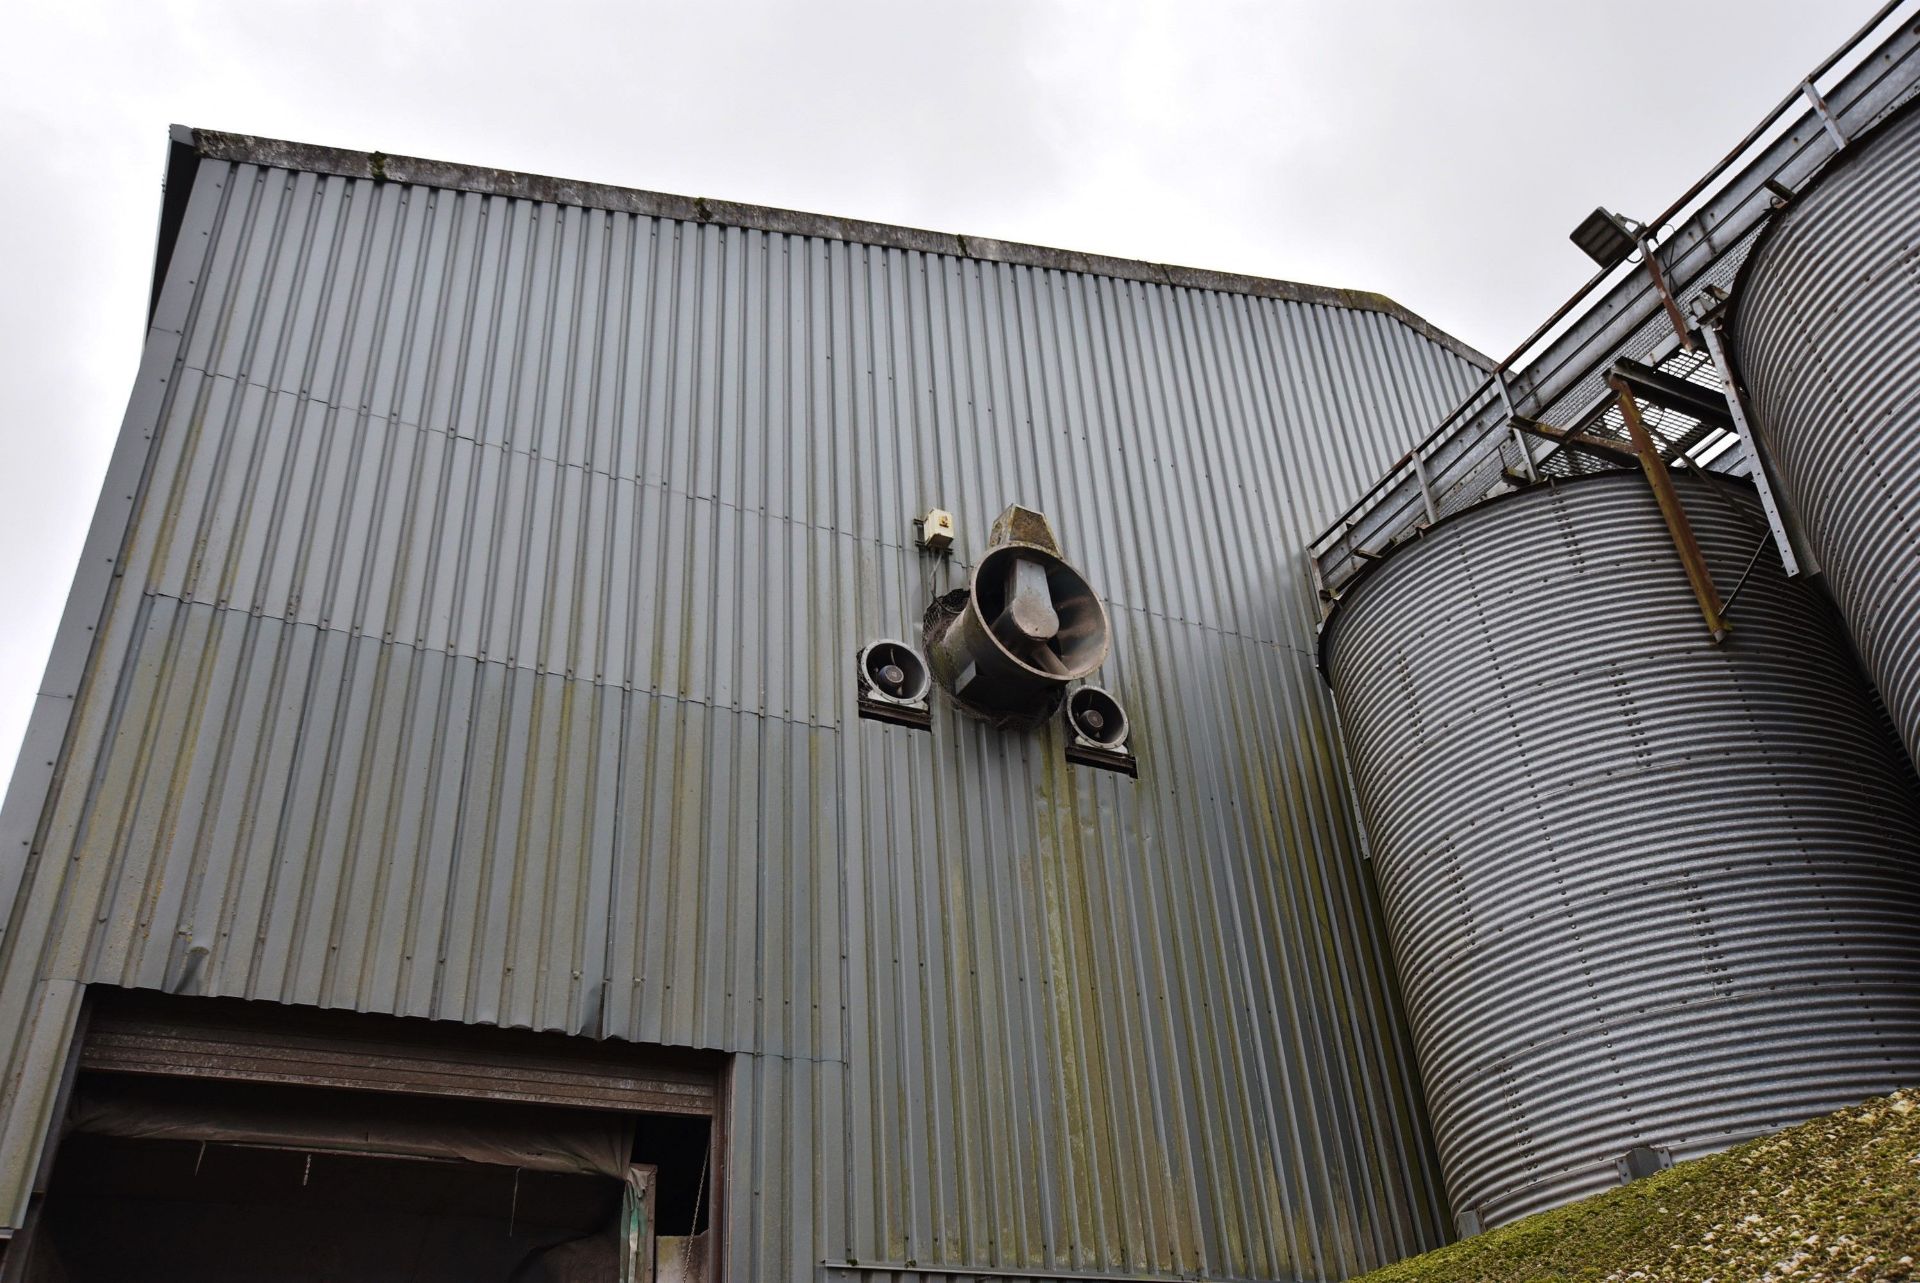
<point x="278" y="153"/>
<point x="175" y="183"/>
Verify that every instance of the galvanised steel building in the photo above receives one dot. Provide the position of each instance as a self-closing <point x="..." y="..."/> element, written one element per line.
<point x="600" y="735"/>
<point x="461" y="673"/>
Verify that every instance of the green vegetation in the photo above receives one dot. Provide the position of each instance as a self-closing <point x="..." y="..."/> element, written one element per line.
<point x="1834" y="1199"/>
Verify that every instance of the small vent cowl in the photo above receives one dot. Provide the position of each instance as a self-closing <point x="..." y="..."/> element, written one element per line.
<point x="1097" y="720"/>
<point x="1097" y="730"/>
<point x="893" y="683"/>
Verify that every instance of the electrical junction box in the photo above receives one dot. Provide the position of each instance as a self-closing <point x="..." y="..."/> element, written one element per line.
<point x="936" y="530"/>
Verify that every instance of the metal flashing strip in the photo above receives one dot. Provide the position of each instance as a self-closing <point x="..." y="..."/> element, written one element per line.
<point x="1622" y="311"/>
<point x="379" y="166"/>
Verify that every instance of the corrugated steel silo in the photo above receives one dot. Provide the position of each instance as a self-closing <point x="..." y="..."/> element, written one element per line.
<point x="1828" y="332"/>
<point x="1642" y="890"/>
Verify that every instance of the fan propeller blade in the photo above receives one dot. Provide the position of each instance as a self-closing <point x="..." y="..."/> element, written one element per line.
<point x="1028" y="624"/>
<point x="1030" y="600"/>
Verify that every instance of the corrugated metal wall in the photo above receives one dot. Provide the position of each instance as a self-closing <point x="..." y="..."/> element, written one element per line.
<point x="482" y="650"/>
<point x="1829" y="347"/>
<point x="1644" y="890"/>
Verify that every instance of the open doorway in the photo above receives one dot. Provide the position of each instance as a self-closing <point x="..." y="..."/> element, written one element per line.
<point x="219" y="1182"/>
<point x="243" y="1159"/>
<point x="174" y="1210"/>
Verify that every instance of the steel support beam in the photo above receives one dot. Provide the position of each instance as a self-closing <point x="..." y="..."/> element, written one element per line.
<point x="1667" y="300"/>
<point x="1826" y="115"/>
<point x="1426" y="487"/>
<point x="1671" y="393"/>
<point x="1661" y="479"/>
<point x="1756" y="464"/>
<point x="1528" y="471"/>
<point x="1599" y="448"/>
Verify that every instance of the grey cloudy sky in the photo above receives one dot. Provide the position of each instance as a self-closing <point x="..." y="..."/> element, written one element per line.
<point x="1435" y="152"/>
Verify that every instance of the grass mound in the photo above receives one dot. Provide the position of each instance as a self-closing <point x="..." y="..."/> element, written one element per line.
<point x="1837" y="1198"/>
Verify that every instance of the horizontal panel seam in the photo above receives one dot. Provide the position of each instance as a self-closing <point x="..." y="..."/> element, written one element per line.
<point x="369" y="638"/>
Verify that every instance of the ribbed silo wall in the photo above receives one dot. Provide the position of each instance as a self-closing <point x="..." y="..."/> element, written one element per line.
<point x="1828" y="337"/>
<point x="477" y="588"/>
<point x="1642" y="890"/>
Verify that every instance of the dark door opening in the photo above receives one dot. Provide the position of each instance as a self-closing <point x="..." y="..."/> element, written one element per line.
<point x="178" y="1210"/>
<point x="220" y="1182"/>
<point x="219" y="1141"/>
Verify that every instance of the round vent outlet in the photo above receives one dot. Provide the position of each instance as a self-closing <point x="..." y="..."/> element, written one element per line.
<point x="1006" y="646"/>
<point x="1097" y="718"/>
<point x="894" y="670"/>
<point x="1041" y="612"/>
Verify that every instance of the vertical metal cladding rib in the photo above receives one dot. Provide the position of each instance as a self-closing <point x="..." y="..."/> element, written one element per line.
<point x="1829" y="346"/>
<point x="1642" y="890"/>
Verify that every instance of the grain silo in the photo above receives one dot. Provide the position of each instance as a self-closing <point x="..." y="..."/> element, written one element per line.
<point x="1648" y="895"/>
<point x="1827" y="333"/>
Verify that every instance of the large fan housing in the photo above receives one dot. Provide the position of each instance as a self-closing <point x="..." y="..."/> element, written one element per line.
<point x="1007" y="646"/>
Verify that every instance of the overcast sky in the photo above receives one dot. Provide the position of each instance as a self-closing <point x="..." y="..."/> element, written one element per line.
<point x="1436" y="152"/>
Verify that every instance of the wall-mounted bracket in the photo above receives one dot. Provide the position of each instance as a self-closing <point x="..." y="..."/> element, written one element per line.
<point x="873" y="710"/>
<point x="1642" y="1161"/>
<point x="1123" y="762"/>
